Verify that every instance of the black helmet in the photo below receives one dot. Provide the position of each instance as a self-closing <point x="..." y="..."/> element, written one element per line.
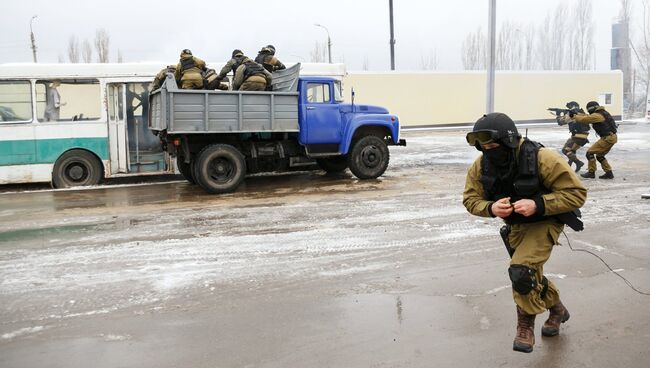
<point x="495" y="127"/>
<point x="591" y="106"/>
<point x="572" y="105"/>
<point x="237" y="52"/>
<point x="271" y="48"/>
<point x="186" y="51"/>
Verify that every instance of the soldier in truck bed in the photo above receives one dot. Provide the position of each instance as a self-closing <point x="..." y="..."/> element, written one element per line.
<point x="232" y="64"/>
<point x="266" y="58"/>
<point x="251" y="76"/>
<point x="188" y="71"/>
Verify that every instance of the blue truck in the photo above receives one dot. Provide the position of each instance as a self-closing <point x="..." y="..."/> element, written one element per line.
<point x="218" y="137"/>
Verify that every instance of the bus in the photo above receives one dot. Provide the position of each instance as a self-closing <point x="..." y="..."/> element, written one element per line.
<point x="77" y="124"/>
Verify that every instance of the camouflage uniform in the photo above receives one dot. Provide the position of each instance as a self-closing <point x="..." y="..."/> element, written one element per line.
<point x="267" y="59"/>
<point x="162" y="75"/>
<point x="188" y="72"/>
<point x="533" y="242"/>
<point x="250" y="76"/>
<point x="579" y="135"/>
<point x="605" y="127"/>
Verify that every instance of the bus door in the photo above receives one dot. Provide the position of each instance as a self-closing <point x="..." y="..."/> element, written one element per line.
<point x="145" y="150"/>
<point x="117" y="128"/>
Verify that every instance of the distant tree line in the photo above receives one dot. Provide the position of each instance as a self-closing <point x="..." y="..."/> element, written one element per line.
<point x="83" y="52"/>
<point x="563" y="40"/>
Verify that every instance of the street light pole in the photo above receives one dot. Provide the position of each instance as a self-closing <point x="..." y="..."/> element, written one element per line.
<point x="329" y="42"/>
<point x="392" y="37"/>
<point x="31" y="32"/>
<point x="490" y="56"/>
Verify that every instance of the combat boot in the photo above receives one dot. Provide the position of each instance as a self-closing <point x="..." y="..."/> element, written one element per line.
<point x="607" y="175"/>
<point x="588" y="175"/>
<point x="525" y="338"/>
<point x="579" y="165"/>
<point x="558" y="314"/>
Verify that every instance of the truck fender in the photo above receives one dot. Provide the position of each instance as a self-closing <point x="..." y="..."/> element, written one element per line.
<point x="390" y="123"/>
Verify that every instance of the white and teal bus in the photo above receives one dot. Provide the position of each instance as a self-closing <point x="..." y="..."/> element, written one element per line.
<point x="76" y="124"/>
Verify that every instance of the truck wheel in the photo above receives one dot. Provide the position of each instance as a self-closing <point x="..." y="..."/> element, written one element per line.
<point x="77" y="168"/>
<point x="185" y="169"/>
<point x="219" y="168"/>
<point x="334" y="164"/>
<point x="369" y="157"/>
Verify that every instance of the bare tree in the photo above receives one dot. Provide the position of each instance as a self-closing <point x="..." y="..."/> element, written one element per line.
<point x="102" y="41"/>
<point x="530" y="61"/>
<point x="473" y="52"/>
<point x="120" y="59"/>
<point x="73" y="49"/>
<point x="641" y="48"/>
<point x="366" y="63"/>
<point x="429" y="61"/>
<point x="61" y="59"/>
<point x="87" y="52"/>
<point x="509" y="47"/>
<point x="551" y="41"/>
<point x="319" y="53"/>
<point x="580" y="50"/>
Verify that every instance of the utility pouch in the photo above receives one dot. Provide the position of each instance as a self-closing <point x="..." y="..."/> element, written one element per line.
<point x="504" y="232"/>
<point x="571" y="219"/>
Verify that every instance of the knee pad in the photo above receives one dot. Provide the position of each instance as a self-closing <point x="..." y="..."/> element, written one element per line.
<point x="590" y="156"/>
<point x="600" y="158"/>
<point x="567" y="150"/>
<point x="523" y="278"/>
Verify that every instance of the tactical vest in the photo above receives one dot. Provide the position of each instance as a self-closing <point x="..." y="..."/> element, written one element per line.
<point x="261" y="59"/>
<point x="253" y="69"/>
<point x="524" y="185"/>
<point x="578" y="128"/>
<point x="607" y="127"/>
<point x="187" y="64"/>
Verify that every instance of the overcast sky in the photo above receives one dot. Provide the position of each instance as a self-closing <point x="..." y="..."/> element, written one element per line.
<point x="359" y="29"/>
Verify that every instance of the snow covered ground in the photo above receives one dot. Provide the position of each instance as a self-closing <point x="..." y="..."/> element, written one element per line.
<point x="269" y="275"/>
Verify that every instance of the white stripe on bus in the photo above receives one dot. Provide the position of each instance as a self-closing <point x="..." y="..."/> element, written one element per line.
<point x="56" y="130"/>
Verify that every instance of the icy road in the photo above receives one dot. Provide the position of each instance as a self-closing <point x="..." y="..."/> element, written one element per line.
<point x="311" y="270"/>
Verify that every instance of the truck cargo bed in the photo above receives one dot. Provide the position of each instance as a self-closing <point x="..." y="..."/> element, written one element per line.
<point x="202" y="111"/>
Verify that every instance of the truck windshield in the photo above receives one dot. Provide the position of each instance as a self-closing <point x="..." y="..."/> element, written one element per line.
<point x="338" y="91"/>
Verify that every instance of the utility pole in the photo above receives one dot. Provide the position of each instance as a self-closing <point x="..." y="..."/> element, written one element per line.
<point x="490" y="56"/>
<point x="31" y="32"/>
<point x="329" y="42"/>
<point x="392" y="36"/>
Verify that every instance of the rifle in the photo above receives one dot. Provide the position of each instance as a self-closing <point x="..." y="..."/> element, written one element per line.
<point x="559" y="112"/>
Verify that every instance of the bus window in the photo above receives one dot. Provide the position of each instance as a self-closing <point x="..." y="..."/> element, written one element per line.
<point x="15" y="101"/>
<point x="68" y="100"/>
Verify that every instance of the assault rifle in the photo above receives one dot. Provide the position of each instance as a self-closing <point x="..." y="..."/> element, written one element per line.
<point x="558" y="111"/>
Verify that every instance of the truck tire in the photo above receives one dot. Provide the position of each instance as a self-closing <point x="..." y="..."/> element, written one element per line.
<point x="369" y="157"/>
<point x="77" y="168"/>
<point x="185" y="169"/>
<point x="219" y="168"/>
<point x="335" y="164"/>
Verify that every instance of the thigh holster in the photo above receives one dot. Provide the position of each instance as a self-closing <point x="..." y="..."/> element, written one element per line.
<point x="523" y="278"/>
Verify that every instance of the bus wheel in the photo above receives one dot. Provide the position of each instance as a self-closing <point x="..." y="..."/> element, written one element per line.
<point x="368" y="158"/>
<point x="185" y="169"/>
<point x="336" y="164"/>
<point x="219" y="168"/>
<point x="77" y="168"/>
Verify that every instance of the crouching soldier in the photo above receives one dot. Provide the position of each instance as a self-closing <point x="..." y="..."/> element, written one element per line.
<point x="162" y="75"/>
<point x="535" y="192"/>
<point x="579" y="134"/>
<point x="211" y="82"/>
<point x="266" y="58"/>
<point x="188" y="71"/>
<point x="251" y="76"/>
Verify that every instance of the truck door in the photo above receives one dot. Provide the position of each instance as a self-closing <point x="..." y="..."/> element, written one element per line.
<point x="117" y="128"/>
<point x="323" y="116"/>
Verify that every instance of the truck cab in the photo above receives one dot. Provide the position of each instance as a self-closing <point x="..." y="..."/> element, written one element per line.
<point x="328" y="125"/>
